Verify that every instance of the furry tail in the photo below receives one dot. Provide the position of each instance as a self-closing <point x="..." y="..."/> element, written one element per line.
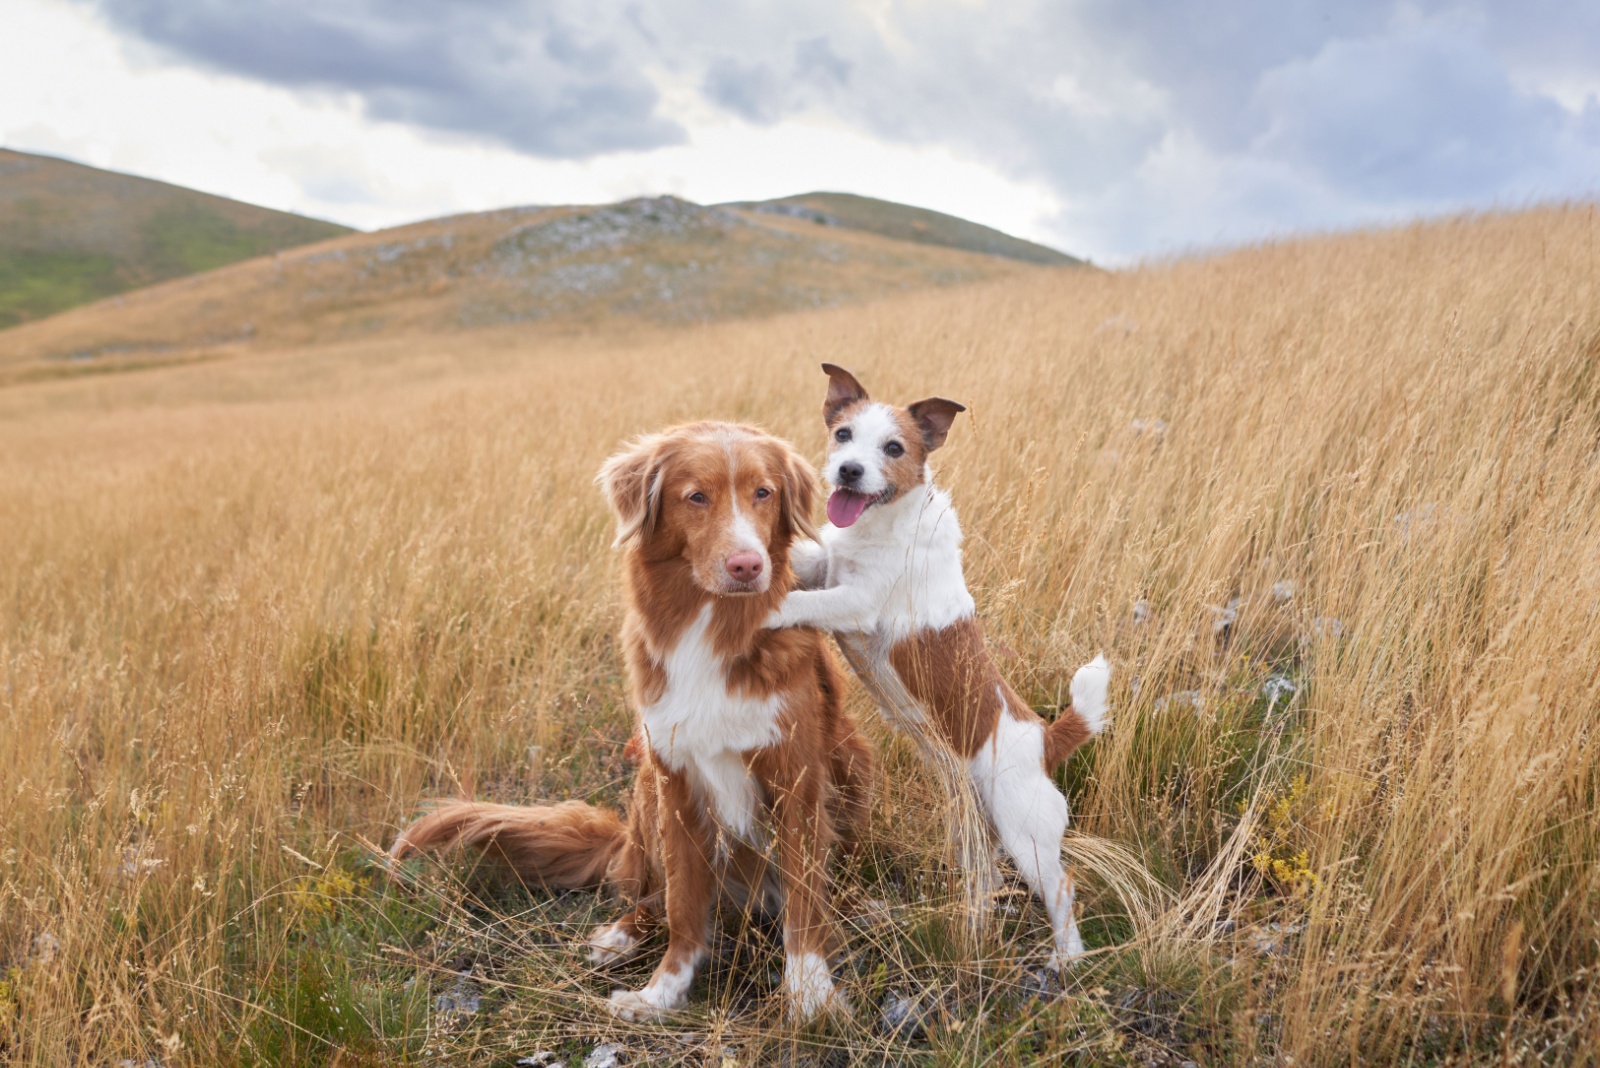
<point x="1084" y="718"/>
<point x="563" y="847"/>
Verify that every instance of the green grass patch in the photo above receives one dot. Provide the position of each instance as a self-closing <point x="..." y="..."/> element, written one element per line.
<point x="34" y="284"/>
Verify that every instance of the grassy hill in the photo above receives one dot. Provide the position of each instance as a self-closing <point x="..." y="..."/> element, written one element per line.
<point x="654" y="261"/>
<point x="905" y="223"/>
<point x="71" y="234"/>
<point x="1329" y="507"/>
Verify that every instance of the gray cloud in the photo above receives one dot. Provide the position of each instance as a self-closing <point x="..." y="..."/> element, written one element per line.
<point x="1414" y="116"/>
<point x="815" y="60"/>
<point x="540" y="77"/>
<point x="1156" y="125"/>
<point x="751" y="91"/>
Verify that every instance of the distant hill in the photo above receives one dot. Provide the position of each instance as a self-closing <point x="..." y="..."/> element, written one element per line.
<point x="905" y="223"/>
<point x="71" y="234"/>
<point x="654" y="260"/>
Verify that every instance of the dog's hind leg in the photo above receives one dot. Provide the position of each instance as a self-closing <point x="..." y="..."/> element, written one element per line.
<point x="1030" y="816"/>
<point x="851" y="768"/>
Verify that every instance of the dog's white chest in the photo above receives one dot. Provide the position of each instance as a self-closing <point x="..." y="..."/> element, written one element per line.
<point x="699" y="727"/>
<point x="909" y="554"/>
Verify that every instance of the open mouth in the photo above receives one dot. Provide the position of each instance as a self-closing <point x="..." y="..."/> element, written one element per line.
<point x="845" y="506"/>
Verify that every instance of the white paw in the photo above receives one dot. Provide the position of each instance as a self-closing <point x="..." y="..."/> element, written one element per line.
<point x="809" y="984"/>
<point x="611" y="945"/>
<point x="641" y="1006"/>
<point x="1070" y="950"/>
<point x="775" y="620"/>
<point x="667" y="991"/>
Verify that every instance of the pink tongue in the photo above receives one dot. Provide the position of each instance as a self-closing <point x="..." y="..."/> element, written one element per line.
<point x="845" y="507"/>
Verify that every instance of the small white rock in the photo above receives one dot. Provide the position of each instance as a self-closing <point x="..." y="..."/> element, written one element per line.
<point x="606" y="1056"/>
<point x="1283" y="591"/>
<point x="544" y="1058"/>
<point x="1327" y="627"/>
<point x="45" y="947"/>
<point x="1192" y="698"/>
<point x="1279" y="687"/>
<point x="463" y="999"/>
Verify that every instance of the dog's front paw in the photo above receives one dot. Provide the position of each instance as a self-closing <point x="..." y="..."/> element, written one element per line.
<point x="643" y="1006"/>
<point x="667" y="990"/>
<point x="775" y="620"/>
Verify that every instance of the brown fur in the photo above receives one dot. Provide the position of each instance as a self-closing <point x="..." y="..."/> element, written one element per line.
<point x="563" y="847"/>
<point x="815" y="782"/>
<point x="952" y="673"/>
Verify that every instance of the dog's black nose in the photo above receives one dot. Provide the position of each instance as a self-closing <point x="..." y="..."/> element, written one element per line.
<point x="851" y="472"/>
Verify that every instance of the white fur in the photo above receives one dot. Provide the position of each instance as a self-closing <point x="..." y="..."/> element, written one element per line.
<point x="748" y="539"/>
<point x="896" y="570"/>
<point x="870" y="429"/>
<point x="1030" y="816"/>
<point x="810" y="562"/>
<point x="699" y="727"/>
<point x="610" y="944"/>
<point x="809" y="981"/>
<point x="1089" y="686"/>
<point x="666" y="991"/>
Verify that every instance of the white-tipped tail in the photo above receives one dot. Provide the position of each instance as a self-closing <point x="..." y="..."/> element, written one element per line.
<point x="1089" y="686"/>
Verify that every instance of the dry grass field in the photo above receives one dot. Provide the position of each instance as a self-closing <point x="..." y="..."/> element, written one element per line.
<point x="253" y="610"/>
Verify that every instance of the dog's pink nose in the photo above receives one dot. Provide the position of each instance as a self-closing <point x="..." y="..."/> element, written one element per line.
<point x="744" y="565"/>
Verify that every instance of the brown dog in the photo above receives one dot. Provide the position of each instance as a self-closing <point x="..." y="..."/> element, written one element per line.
<point x="751" y="763"/>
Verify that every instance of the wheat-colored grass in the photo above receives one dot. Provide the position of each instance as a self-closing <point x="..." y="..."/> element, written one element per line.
<point x="252" y="611"/>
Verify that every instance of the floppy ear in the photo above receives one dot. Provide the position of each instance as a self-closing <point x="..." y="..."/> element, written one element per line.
<point x="934" y="417"/>
<point x="799" y="494"/>
<point x="632" y="483"/>
<point x="843" y="391"/>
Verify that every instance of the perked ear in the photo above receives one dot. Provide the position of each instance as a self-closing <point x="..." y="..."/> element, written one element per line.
<point x="799" y="494"/>
<point x="934" y="417"/>
<point x="632" y="483"/>
<point x="843" y="391"/>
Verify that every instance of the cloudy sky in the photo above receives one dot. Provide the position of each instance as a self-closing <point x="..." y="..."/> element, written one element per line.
<point x="1117" y="129"/>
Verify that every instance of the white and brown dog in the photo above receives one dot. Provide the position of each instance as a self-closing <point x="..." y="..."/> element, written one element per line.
<point x="890" y="563"/>
<point x="749" y="765"/>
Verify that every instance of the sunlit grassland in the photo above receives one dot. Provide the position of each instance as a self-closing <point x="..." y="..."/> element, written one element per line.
<point x="253" y="610"/>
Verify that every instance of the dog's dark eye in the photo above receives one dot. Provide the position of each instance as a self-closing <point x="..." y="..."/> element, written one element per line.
<point x="894" y="448"/>
<point x="842" y="434"/>
<point x="698" y="498"/>
<point x="763" y="493"/>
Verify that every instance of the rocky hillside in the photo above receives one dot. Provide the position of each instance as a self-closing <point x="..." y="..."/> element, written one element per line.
<point x="657" y="261"/>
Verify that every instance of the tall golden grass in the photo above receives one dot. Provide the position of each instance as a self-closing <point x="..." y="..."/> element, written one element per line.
<point x="252" y="611"/>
